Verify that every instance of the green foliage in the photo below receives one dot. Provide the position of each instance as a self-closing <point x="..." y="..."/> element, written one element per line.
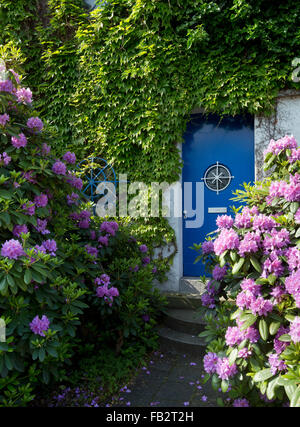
<point x="53" y="267"/>
<point x="267" y="363"/>
<point x="123" y="80"/>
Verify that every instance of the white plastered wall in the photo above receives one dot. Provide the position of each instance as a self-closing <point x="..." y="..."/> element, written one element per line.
<point x="285" y="120"/>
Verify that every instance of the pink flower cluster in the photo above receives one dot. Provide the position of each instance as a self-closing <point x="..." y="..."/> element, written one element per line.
<point x="276" y="147"/>
<point x="41" y="226"/>
<point x="19" y="141"/>
<point x="295" y="155"/>
<point x="12" y="249"/>
<point x="29" y="208"/>
<point x="24" y="96"/>
<point x="91" y="250"/>
<point x="103" y="291"/>
<point x="227" y="239"/>
<point x="276" y="364"/>
<point x="219" y="272"/>
<point x="4" y="118"/>
<point x="292" y="286"/>
<point x="74" y="181"/>
<point x="249" y="244"/>
<point x="235" y="335"/>
<point x="40" y="326"/>
<point x="290" y="191"/>
<point x="72" y="199"/>
<point x="41" y="201"/>
<point x="47" y="246"/>
<point x="249" y="298"/>
<point x="207" y="247"/>
<point x="4" y="158"/>
<point x="295" y="330"/>
<point x="59" y="168"/>
<point x="18" y="229"/>
<point x="109" y="227"/>
<point x="35" y="123"/>
<point x="244" y="219"/>
<point x="224" y="221"/>
<point x="69" y="158"/>
<point x="82" y="219"/>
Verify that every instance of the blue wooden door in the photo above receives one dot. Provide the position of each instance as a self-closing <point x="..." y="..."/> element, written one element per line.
<point x="218" y="156"/>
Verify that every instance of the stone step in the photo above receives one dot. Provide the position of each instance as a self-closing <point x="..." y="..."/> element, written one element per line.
<point x="192" y="285"/>
<point x="176" y="341"/>
<point x="184" y="320"/>
<point x="183" y="300"/>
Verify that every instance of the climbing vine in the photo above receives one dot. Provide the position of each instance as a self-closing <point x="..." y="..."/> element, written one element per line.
<point x="123" y="80"/>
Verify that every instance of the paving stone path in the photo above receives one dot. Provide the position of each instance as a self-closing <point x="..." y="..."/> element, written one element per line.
<point x="169" y="380"/>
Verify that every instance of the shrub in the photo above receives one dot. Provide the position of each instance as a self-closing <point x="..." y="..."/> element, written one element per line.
<point x="254" y="260"/>
<point x="67" y="278"/>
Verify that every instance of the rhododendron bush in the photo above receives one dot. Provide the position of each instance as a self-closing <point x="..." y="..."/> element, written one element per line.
<point x="66" y="277"/>
<point x="254" y="259"/>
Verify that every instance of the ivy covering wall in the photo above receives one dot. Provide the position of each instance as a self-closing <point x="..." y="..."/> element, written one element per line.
<point x="121" y="82"/>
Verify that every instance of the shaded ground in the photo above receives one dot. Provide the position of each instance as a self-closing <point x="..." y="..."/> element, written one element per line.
<point x="169" y="380"/>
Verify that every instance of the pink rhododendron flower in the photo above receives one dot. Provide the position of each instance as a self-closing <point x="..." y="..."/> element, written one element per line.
<point x="224" y="221"/>
<point x="41" y="201"/>
<point x="210" y="361"/>
<point x="297" y="217"/>
<point x="249" y="244"/>
<point x="251" y="286"/>
<point x="103" y="240"/>
<point x="29" y="208"/>
<point x="276" y="364"/>
<point x="12" y="249"/>
<point x="292" y="285"/>
<point x="244" y="299"/>
<point x="4" y="158"/>
<point x="35" y="123"/>
<point x="233" y="336"/>
<point x="261" y="306"/>
<point x="40" y="326"/>
<point x="227" y="239"/>
<point x="24" y="96"/>
<point x="295" y="330"/>
<point x="19" y="141"/>
<point x="59" y="168"/>
<point x="6" y="86"/>
<point x="244" y="353"/>
<point x="45" y="149"/>
<point x="207" y="247"/>
<point x="240" y="403"/>
<point x="219" y="272"/>
<point x="41" y="226"/>
<point x="91" y="250"/>
<point x="279" y="346"/>
<point x="69" y="158"/>
<point x="281" y="144"/>
<point x="295" y="155"/>
<point x="224" y="370"/>
<point x="18" y="229"/>
<point x="4" y="118"/>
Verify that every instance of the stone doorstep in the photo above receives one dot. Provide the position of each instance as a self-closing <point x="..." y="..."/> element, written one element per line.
<point x="175" y="341"/>
<point x="183" y="300"/>
<point x="184" y="320"/>
<point x="192" y="285"/>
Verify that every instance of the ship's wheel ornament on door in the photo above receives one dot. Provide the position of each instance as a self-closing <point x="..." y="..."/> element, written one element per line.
<point x="217" y="177"/>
